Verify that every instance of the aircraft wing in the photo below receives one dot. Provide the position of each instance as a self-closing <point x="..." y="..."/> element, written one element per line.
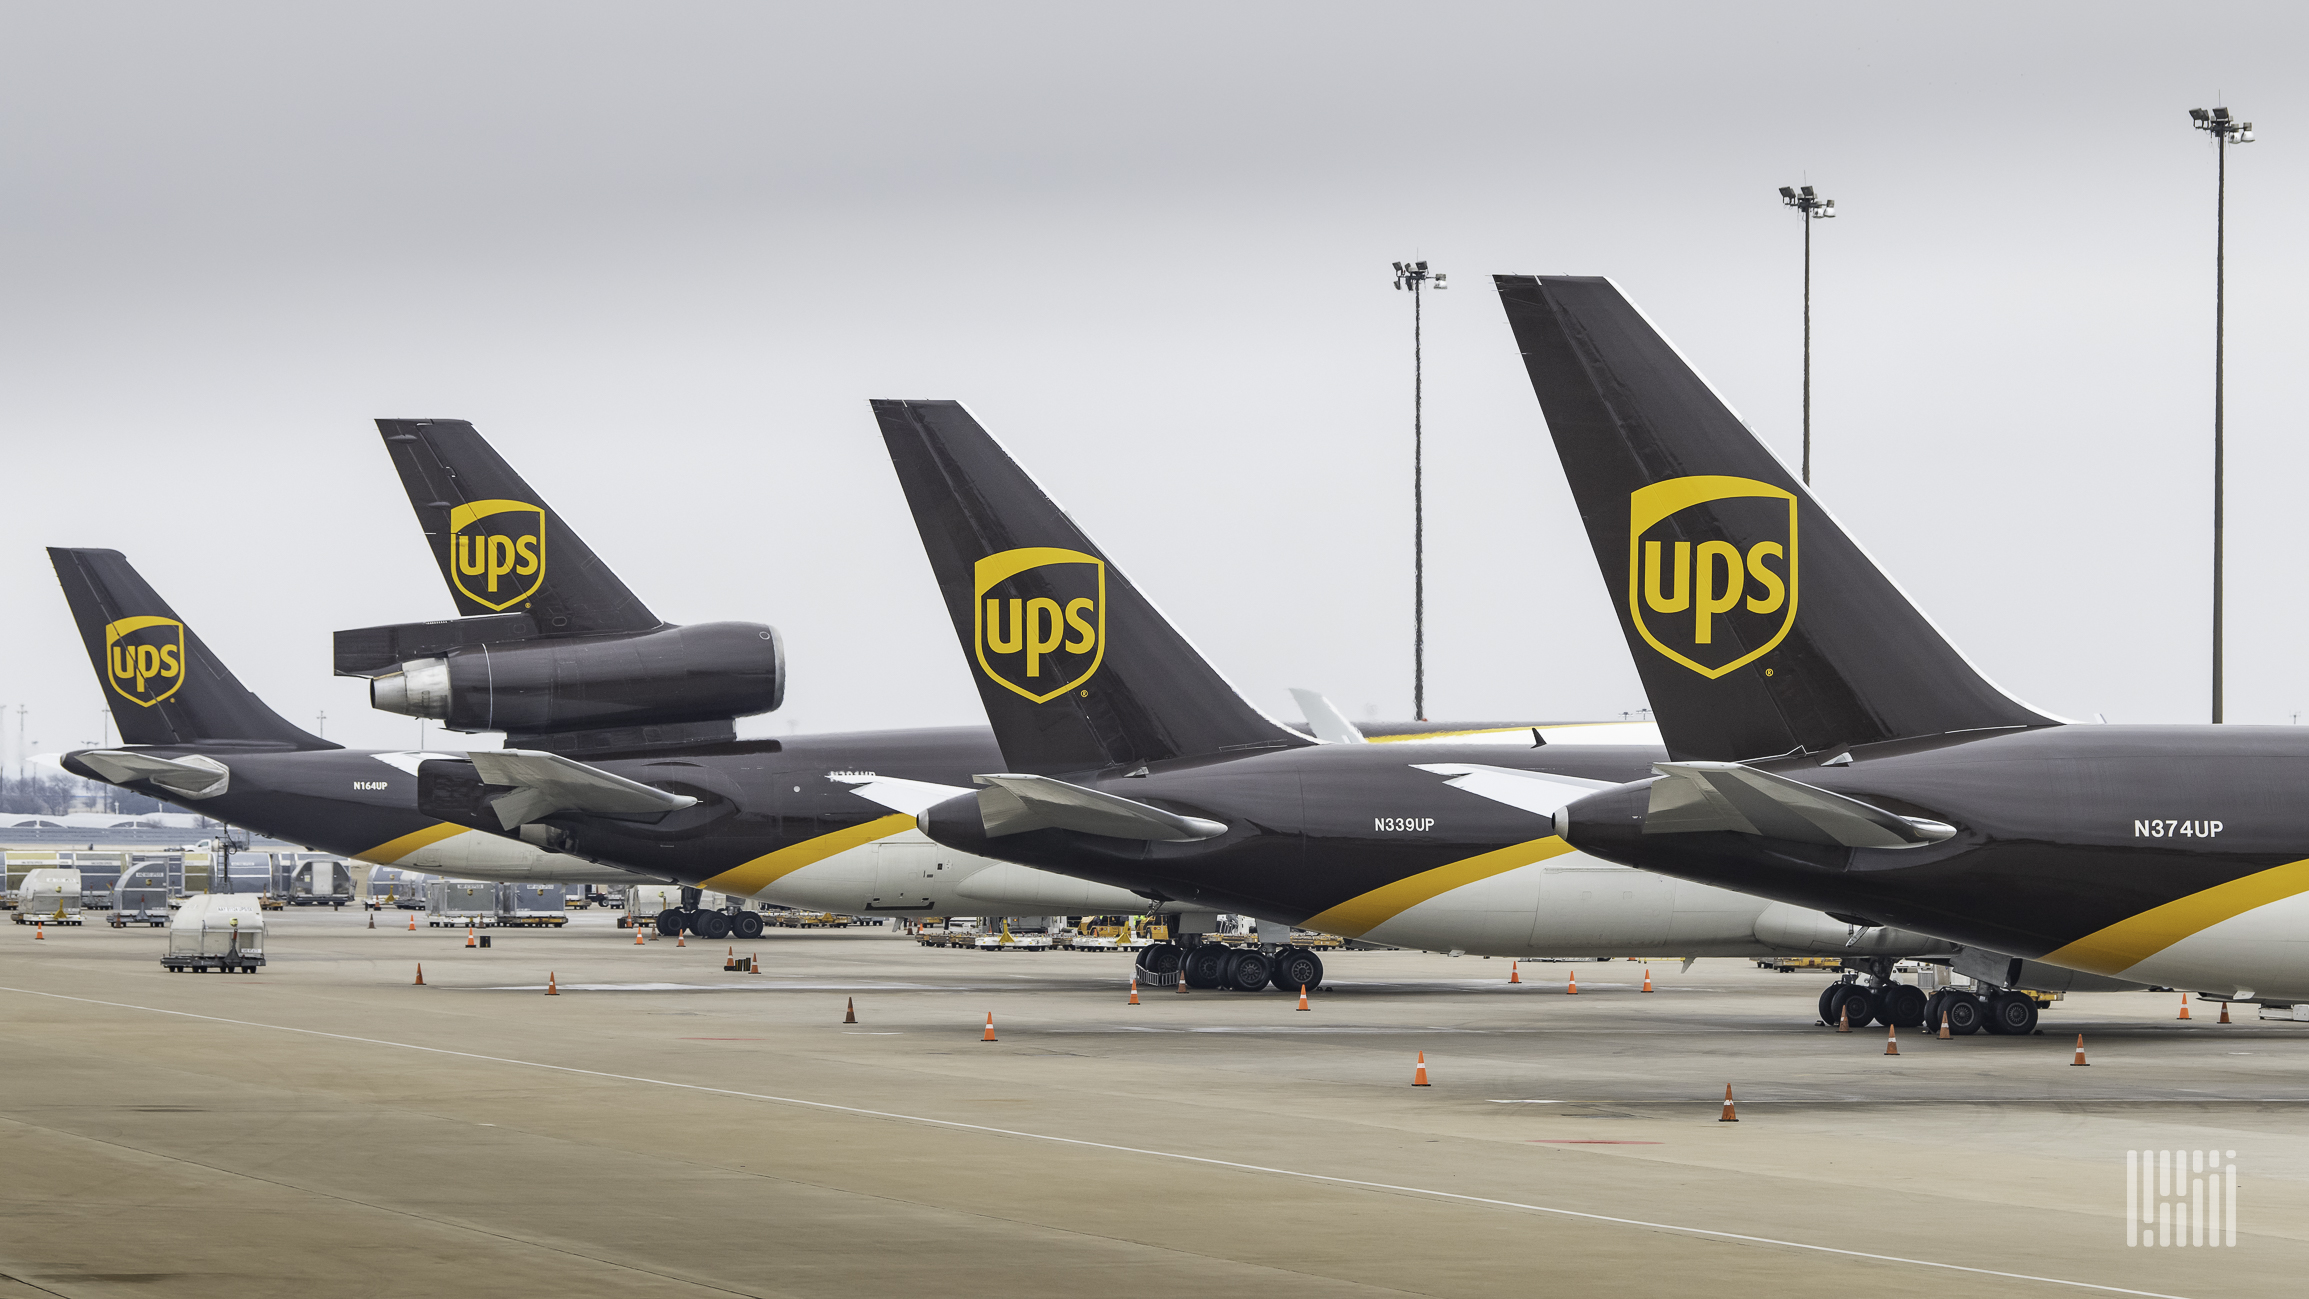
<point x="1696" y="796"/>
<point x="1014" y="804"/>
<point x="546" y="783"/>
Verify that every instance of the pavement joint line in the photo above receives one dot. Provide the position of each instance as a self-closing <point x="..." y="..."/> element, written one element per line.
<point x="1453" y="1196"/>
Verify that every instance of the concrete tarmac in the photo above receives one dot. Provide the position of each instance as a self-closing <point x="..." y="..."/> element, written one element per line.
<point x="662" y="1127"/>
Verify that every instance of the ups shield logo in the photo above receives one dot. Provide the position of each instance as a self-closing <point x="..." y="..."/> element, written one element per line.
<point x="1041" y="619"/>
<point x="1712" y="606"/>
<point x="144" y="658"/>
<point x="497" y="551"/>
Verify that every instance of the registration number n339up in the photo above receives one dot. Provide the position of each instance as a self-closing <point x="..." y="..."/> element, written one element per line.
<point x="1400" y="824"/>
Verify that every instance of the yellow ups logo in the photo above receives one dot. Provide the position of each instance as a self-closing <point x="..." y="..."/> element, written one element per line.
<point x="144" y="658"/>
<point x="1041" y="619"/>
<point x="1715" y="605"/>
<point x="497" y="551"/>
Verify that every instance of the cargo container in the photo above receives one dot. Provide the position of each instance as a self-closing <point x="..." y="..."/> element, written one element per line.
<point x="533" y="904"/>
<point x="459" y="903"/>
<point x="141" y="896"/>
<point x="317" y="880"/>
<point x="216" y="931"/>
<point x="49" y="896"/>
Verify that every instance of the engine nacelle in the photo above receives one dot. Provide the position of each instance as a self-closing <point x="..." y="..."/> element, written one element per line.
<point x="709" y="672"/>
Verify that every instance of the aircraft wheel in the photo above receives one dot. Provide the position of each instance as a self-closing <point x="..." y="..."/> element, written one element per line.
<point x="1158" y="965"/>
<point x="2012" y="1014"/>
<point x="1904" y="1005"/>
<point x="746" y="924"/>
<point x="1205" y="966"/>
<point x="1296" y="968"/>
<point x="1932" y="1008"/>
<point x="1828" y="996"/>
<point x="711" y="925"/>
<point x="669" y="923"/>
<point x="1249" y="970"/>
<point x="1857" y="1003"/>
<point x="1965" y="1013"/>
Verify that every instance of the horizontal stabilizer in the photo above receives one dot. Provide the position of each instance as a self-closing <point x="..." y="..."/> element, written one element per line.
<point x="1325" y="720"/>
<point x="1537" y="792"/>
<point x="1014" y="804"/>
<point x="1699" y="796"/>
<point x="188" y="777"/>
<point x="546" y="783"/>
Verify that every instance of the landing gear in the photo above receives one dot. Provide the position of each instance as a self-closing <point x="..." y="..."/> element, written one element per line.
<point x="1158" y="965"/>
<point x="1296" y="968"/>
<point x="711" y="925"/>
<point x="2012" y="1014"/>
<point x="1854" y="1004"/>
<point x="1247" y="970"/>
<point x="1902" y="1005"/>
<point x="1828" y="998"/>
<point x="746" y="925"/>
<point x="669" y="923"/>
<point x="1964" y="1012"/>
<point x="1206" y="967"/>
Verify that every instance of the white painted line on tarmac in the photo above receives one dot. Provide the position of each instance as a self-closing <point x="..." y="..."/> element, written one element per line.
<point x="1452" y="1196"/>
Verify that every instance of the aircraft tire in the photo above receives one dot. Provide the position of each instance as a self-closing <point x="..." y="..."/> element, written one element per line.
<point x="1249" y="970"/>
<point x="746" y="925"/>
<point x="669" y="923"/>
<point x="1858" y="1003"/>
<point x="1932" y="1008"/>
<point x="1205" y="966"/>
<point x="1296" y="968"/>
<point x="1828" y="996"/>
<point x="2011" y="1015"/>
<point x="1158" y="965"/>
<point x="1904" y="1005"/>
<point x="1965" y="1013"/>
<point x="712" y="926"/>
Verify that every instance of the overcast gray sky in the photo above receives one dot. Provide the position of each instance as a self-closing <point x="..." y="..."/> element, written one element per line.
<point x="662" y="255"/>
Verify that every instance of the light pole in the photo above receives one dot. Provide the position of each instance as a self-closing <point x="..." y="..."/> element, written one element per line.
<point x="2225" y="130"/>
<point x="1416" y="277"/>
<point x="1811" y="207"/>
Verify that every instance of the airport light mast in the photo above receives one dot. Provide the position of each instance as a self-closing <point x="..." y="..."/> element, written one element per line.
<point x="2225" y="130"/>
<point x="1416" y="277"/>
<point x="1812" y="208"/>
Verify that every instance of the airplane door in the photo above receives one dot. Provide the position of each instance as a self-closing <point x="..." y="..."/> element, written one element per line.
<point x="904" y="875"/>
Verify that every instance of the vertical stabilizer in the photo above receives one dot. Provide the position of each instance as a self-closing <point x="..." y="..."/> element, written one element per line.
<point x="501" y="548"/>
<point x="1758" y="626"/>
<point x="161" y="681"/>
<point x="1078" y="671"/>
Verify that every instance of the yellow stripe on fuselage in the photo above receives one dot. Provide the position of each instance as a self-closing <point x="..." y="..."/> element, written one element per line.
<point x="2129" y="942"/>
<point x="393" y="850"/>
<point x="1363" y="913"/>
<point x="1443" y="735"/>
<point x="752" y="877"/>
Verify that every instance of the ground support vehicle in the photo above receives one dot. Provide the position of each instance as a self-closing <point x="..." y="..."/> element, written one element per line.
<point x="218" y="932"/>
<point x="141" y="896"/>
<point x="49" y="897"/>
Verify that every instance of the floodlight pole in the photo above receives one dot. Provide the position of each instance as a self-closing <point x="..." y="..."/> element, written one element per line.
<point x="1415" y="276"/>
<point x="2225" y="130"/>
<point x="1811" y="207"/>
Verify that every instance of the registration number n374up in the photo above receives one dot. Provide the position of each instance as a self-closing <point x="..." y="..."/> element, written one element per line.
<point x="2175" y="829"/>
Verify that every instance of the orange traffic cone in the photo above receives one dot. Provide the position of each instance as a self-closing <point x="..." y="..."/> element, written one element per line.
<point x="1647" y="978"/>
<point x="1303" y="998"/>
<point x="756" y="958"/>
<point x="1571" y="983"/>
<point x="552" y="988"/>
<point x="850" y="1011"/>
<point x="469" y="937"/>
<point x="2184" y="1005"/>
<point x="1729" y="1115"/>
<point x="677" y="940"/>
<point x="2080" y="1050"/>
<point x="420" y="974"/>
<point x="1843" y="1018"/>
<point x="1134" y="990"/>
<point x="412" y="922"/>
<point x="1891" y="1040"/>
<point x="2224" y="1013"/>
<point x="1182" y="978"/>
<point x="1945" y="1035"/>
<point x="372" y="920"/>
<point x="637" y="935"/>
<point x="1515" y="972"/>
<point x="1419" y="1071"/>
<point x="989" y="1028"/>
<point x="38" y="934"/>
